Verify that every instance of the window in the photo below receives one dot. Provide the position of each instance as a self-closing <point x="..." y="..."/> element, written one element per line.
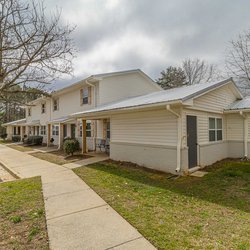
<point x="55" y="104"/>
<point x="108" y="130"/>
<point x="43" y="108"/>
<point x="43" y="130"/>
<point x="88" y="129"/>
<point x="85" y="95"/>
<point x="29" y="111"/>
<point x="55" y="130"/>
<point x="215" y="129"/>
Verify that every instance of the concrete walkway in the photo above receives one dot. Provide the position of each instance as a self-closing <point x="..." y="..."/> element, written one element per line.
<point x="77" y="218"/>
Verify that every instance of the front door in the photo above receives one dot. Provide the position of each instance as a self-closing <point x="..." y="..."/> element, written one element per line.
<point x="192" y="140"/>
<point x="73" y="131"/>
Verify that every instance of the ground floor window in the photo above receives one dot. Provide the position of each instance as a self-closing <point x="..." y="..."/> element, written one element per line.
<point x="88" y="129"/>
<point x="108" y="130"/>
<point x="55" y="130"/>
<point x="43" y="130"/>
<point x="215" y="129"/>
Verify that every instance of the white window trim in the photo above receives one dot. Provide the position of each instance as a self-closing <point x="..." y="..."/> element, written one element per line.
<point x="215" y="129"/>
<point x="57" y="104"/>
<point x="43" y="108"/>
<point x="55" y="130"/>
<point x="43" y="130"/>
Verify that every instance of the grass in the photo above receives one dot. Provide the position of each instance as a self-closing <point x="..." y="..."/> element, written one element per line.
<point x="22" y="218"/>
<point x="212" y="212"/>
<point x="20" y="148"/>
<point x="58" y="157"/>
<point x="5" y="141"/>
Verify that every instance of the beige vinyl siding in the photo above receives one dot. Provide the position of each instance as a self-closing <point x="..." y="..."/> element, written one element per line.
<point x="215" y="101"/>
<point x="235" y="129"/>
<point x="202" y="125"/>
<point x="149" y="127"/>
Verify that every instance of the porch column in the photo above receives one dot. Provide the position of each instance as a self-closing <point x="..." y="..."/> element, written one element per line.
<point x="21" y="132"/>
<point x="84" y="135"/>
<point x="48" y="134"/>
<point x="60" y="143"/>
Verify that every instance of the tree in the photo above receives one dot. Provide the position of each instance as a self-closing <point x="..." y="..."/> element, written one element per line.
<point x="238" y="58"/>
<point x="34" y="49"/>
<point x="172" y="77"/>
<point x="197" y="71"/>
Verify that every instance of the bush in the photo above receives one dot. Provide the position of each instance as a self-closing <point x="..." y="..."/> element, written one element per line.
<point x="70" y="146"/>
<point x="16" y="138"/>
<point x="3" y="136"/>
<point x="34" y="140"/>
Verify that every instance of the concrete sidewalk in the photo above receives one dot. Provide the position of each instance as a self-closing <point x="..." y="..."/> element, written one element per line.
<point x="77" y="218"/>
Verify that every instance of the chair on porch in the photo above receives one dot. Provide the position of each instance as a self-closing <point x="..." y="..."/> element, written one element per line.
<point x="100" y="143"/>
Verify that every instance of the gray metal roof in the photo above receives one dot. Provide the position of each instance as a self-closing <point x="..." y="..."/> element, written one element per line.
<point x="161" y="97"/>
<point x="241" y="104"/>
<point x="16" y="122"/>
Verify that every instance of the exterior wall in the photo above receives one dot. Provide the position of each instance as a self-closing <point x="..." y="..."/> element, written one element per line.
<point x="217" y="100"/>
<point x="119" y="87"/>
<point x="162" y="158"/>
<point x="147" y="138"/>
<point x="158" y="127"/>
<point x="235" y="128"/>
<point x="70" y="103"/>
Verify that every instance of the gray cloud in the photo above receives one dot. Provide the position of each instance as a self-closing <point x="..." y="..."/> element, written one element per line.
<point x="151" y="35"/>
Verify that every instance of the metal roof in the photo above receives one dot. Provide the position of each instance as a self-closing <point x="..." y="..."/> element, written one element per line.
<point x="239" y="105"/>
<point x="161" y="97"/>
<point x="17" y="122"/>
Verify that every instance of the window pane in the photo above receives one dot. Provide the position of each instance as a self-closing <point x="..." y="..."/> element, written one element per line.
<point x="212" y="135"/>
<point x="219" y="135"/>
<point x="211" y="123"/>
<point x="88" y="133"/>
<point x="88" y="125"/>
<point x="219" y="123"/>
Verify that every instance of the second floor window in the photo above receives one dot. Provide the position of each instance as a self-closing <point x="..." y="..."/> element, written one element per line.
<point x="29" y="111"/>
<point x="55" y="104"/>
<point x="43" y="108"/>
<point x="43" y="130"/>
<point x="86" y="95"/>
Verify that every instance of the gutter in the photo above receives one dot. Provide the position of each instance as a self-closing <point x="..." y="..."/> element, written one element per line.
<point x="179" y="137"/>
<point x="245" y="125"/>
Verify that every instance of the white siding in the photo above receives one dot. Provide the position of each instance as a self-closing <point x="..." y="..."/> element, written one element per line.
<point x="120" y="87"/>
<point x="235" y="129"/>
<point x="215" y="101"/>
<point x="150" y="127"/>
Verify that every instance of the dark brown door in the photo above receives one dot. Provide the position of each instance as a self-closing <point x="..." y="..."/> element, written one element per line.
<point x="192" y="140"/>
<point x="73" y="131"/>
<point x="64" y="130"/>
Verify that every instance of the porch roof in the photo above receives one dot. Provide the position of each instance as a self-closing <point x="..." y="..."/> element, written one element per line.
<point x="33" y="123"/>
<point x="16" y="122"/>
<point x="175" y="95"/>
<point x="240" y="105"/>
<point x="63" y="119"/>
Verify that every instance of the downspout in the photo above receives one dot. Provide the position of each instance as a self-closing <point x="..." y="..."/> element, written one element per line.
<point x="179" y="131"/>
<point x="245" y="126"/>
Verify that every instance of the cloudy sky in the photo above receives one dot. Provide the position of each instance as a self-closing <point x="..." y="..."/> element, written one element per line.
<point x="114" y="35"/>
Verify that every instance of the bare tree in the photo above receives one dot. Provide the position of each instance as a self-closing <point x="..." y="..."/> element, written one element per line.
<point x="238" y="58"/>
<point x="197" y="71"/>
<point x="34" y="49"/>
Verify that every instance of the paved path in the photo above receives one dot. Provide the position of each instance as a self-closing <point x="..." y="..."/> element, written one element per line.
<point x="77" y="218"/>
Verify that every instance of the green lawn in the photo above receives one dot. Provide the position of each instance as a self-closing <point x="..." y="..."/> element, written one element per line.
<point x="22" y="218"/>
<point x="212" y="212"/>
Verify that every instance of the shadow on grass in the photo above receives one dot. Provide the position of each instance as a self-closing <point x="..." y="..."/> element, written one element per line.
<point x="227" y="183"/>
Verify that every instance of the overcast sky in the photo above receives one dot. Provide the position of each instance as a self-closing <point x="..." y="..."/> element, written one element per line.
<point x="114" y="35"/>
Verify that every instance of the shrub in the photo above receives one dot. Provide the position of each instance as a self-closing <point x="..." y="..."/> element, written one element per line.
<point x="16" y="138"/>
<point x="71" y="146"/>
<point x="3" y="136"/>
<point x="34" y="140"/>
